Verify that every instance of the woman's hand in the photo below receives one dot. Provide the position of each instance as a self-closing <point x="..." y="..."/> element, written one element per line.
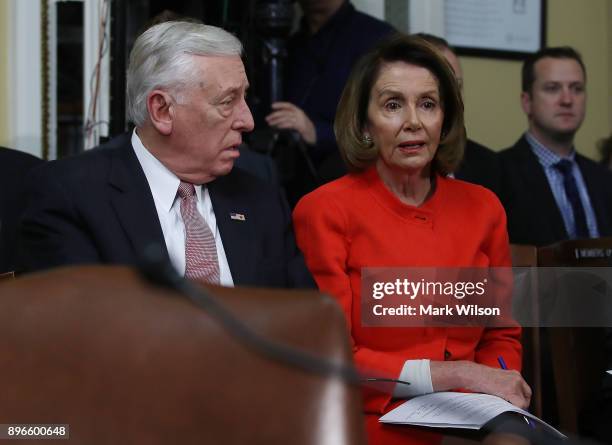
<point x="507" y="384"/>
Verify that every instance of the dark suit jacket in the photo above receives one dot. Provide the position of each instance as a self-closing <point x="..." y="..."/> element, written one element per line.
<point x="257" y="164"/>
<point x="533" y="215"/>
<point x="13" y="166"/>
<point x="97" y="207"/>
<point x="480" y="166"/>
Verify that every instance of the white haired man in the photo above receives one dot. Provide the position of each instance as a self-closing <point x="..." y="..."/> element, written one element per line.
<point x="171" y="181"/>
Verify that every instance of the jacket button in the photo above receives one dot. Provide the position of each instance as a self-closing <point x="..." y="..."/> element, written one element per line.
<point x="447" y="355"/>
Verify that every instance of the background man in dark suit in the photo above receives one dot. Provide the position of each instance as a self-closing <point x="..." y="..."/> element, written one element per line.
<point x="170" y="182"/>
<point x="480" y="164"/>
<point x="550" y="192"/>
<point x="13" y="166"/>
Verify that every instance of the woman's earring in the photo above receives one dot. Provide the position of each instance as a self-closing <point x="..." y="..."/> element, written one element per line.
<point x="367" y="140"/>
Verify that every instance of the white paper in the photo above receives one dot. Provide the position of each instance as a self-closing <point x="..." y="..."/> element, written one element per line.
<point x="454" y="410"/>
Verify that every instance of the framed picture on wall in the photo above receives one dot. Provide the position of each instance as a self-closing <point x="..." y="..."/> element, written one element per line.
<point x="509" y="29"/>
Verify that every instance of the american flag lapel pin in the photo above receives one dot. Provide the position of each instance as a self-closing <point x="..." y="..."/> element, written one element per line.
<point x="237" y="216"/>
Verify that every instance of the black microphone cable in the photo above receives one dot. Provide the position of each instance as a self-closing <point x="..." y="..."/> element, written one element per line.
<point x="157" y="269"/>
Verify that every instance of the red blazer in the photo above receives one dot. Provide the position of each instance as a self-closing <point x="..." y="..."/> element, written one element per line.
<point x="357" y="222"/>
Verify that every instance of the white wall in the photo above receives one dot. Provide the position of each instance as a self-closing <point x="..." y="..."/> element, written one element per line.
<point x="24" y="78"/>
<point x="374" y="8"/>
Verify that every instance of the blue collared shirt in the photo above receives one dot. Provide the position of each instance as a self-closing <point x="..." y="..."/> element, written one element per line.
<point x="547" y="159"/>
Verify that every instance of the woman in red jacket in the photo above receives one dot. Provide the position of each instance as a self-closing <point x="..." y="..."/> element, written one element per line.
<point x="399" y="126"/>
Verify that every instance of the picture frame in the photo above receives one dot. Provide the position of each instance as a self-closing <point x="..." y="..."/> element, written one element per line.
<point x="505" y="29"/>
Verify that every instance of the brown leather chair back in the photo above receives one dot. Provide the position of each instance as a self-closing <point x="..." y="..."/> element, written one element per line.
<point x="121" y="361"/>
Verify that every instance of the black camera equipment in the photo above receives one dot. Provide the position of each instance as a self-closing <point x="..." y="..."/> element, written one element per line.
<point x="273" y="21"/>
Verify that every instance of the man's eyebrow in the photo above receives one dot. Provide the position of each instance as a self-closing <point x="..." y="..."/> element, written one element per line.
<point x="560" y="82"/>
<point x="233" y="90"/>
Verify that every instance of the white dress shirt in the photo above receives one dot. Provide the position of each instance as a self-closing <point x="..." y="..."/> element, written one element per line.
<point x="164" y="186"/>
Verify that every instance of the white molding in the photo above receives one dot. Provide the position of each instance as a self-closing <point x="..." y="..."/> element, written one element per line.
<point x="426" y="16"/>
<point x="25" y="76"/>
<point x="93" y="10"/>
<point x="52" y="78"/>
<point x="375" y="8"/>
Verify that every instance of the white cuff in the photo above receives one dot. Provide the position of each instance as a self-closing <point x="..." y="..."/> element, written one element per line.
<point x="418" y="374"/>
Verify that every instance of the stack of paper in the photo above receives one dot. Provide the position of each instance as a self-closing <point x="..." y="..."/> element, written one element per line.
<point x="455" y="410"/>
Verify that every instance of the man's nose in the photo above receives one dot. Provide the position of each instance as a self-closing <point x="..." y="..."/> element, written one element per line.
<point x="244" y="120"/>
<point x="567" y="96"/>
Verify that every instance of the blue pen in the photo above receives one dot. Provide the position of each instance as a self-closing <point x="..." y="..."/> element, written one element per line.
<point x="502" y="365"/>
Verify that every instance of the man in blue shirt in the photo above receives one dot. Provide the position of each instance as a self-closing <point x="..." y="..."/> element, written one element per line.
<point x="551" y="192"/>
<point x="332" y="37"/>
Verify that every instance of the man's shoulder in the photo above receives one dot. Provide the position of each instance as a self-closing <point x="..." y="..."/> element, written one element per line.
<point x="366" y="28"/>
<point x="88" y="165"/>
<point x="479" y="164"/>
<point x="14" y="165"/>
<point x="11" y="157"/>
<point x="518" y="154"/>
<point x="372" y="23"/>
<point x="243" y="177"/>
<point x="244" y="184"/>
<point x="258" y="164"/>
<point x="477" y="150"/>
<point x="582" y="159"/>
<point x="515" y="149"/>
<point x="593" y="168"/>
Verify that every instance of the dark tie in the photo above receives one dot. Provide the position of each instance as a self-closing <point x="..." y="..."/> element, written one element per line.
<point x="201" y="262"/>
<point x="571" y="191"/>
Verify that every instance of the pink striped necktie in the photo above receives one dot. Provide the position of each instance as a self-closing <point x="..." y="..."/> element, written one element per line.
<point x="201" y="262"/>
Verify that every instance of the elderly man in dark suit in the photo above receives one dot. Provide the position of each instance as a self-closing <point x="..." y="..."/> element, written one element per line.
<point x="13" y="166"/>
<point x="171" y="181"/>
<point x="551" y="192"/>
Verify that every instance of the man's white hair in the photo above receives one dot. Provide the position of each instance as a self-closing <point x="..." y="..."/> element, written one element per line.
<point x="162" y="57"/>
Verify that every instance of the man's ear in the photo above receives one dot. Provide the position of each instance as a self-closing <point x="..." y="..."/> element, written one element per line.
<point x="161" y="111"/>
<point x="526" y="103"/>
